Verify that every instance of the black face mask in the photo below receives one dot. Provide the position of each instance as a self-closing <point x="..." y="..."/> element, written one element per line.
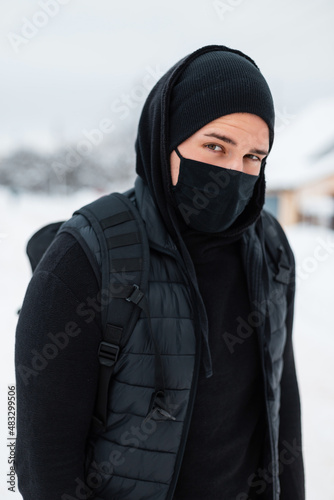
<point x="211" y="198"/>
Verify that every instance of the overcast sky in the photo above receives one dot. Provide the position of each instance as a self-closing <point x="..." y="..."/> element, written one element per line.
<point x="67" y="64"/>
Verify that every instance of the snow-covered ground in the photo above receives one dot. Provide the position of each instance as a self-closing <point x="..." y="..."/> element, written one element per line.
<point x="313" y="326"/>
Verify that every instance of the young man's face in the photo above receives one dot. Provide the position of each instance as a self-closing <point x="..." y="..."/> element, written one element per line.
<point x="238" y="141"/>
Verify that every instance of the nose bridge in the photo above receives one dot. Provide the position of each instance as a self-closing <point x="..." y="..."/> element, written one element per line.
<point x="236" y="162"/>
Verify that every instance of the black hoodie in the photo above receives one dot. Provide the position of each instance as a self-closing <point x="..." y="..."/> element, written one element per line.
<point x="153" y="166"/>
<point x="227" y="432"/>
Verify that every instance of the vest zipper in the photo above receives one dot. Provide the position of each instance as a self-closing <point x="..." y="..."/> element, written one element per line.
<point x="193" y="389"/>
<point x="187" y="420"/>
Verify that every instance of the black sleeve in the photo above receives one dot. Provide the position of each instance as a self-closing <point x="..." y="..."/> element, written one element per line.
<point x="57" y="340"/>
<point x="290" y="438"/>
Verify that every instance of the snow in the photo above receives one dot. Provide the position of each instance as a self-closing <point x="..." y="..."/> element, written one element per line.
<point x="313" y="325"/>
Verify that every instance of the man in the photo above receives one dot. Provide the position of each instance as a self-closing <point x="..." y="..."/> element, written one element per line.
<point x="223" y="325"/>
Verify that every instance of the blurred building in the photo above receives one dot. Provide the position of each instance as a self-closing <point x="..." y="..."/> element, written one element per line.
<point x="300" y="170"/>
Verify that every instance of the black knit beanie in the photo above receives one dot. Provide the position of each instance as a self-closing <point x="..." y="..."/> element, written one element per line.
<point x="215" y="84"/>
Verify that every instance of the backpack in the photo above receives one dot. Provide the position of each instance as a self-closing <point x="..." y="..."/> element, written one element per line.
<point x="119" y="239"/>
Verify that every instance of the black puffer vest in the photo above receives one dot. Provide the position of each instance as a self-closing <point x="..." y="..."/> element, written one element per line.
<point x="140" y="459"/>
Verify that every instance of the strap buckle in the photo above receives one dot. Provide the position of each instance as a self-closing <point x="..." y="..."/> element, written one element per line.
<point x="136" y="295"/>
<point x="108" y="353"/>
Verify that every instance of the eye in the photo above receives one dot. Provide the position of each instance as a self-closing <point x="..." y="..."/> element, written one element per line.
<point x="214" y="147"/>
<point x="253" y="157"/>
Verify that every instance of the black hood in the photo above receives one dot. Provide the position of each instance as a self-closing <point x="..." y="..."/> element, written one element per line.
<point x="152" y="148"/>
<point x="153" y="167"/>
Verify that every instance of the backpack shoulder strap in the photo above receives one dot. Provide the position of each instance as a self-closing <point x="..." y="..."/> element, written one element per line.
<point x="115" y="234"/>
<point x="278" y="248"/>
<point x="116" y="238"/>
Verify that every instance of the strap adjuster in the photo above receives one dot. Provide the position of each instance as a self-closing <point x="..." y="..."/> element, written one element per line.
<point x="136" y="295"/>
<point x="108" y="353"/>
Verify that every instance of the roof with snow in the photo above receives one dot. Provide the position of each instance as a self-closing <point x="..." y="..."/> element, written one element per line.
<point x="303" y="150"/>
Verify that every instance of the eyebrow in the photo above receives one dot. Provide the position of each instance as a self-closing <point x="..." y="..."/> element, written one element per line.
<point x="228" y="140"/>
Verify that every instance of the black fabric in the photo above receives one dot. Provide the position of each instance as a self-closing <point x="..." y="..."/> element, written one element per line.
<point x="55" y="403"/>
<point x="227" y="442"/>
<point x="211" y="198"/>
<point x="215" y="84"/>
<point x="227" y="432"/>
<point x="53" y="464"/>
<point x="152" y="148"/>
